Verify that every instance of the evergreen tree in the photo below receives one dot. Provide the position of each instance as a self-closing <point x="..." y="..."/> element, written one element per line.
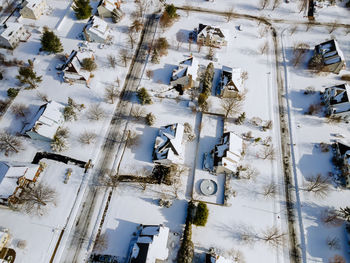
<point x="82" y="9"/>
<point x="144" y="97"/>
<point x="27" y="75"/>
<point x="50" y="42"/>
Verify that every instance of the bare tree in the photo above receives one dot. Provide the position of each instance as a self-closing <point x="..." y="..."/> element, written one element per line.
<point x="101" y="242"/>
<point x="264" y="48"/>
<point x="317" y="184"/>
<point x="34" y="200"/>
<point x="112" y="61"/>
<point x="42" y="96"/>
<point x="333" y="27"/>
<point x="229" y="14"/>
<point x="293" y="29"/>
<point x="263" y="31"/>
<point x="133" y="139"/>
<point x="138" y="112"/>
<point x="96" y="112"/>
<point x="333" y="243"/>
<point x="270" y="189"/>
<point x="180" y="39"/>
<point x="231" y="106"/>
<point x="111" y="93"/>
<point x="302" y="5"/>
<point x="264" y="3"/>
<point x="276" y="3"/>
<point x="142" y="7"/>
<point x="236" y="255"/>
<point x="131" y="39"/>
<point x="136" y="25"/>
<point x="244" y="75"/>
<point x="87" y="137"/>
<point x="9" y="143"/>
<point x="19" y="110"/>
<point x="124" y="56"/>
<point x="273" y="236"/>
<point x="267" y="153"/>
<point x="247" y="172"/>
<point x="299" y="51"/>
<point x="331" y="217"/>
<point x="337" y="259"/>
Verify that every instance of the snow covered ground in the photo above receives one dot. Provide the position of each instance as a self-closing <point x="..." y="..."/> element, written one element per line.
<point x="308" y="131"/>
<point x="42" y="232"/>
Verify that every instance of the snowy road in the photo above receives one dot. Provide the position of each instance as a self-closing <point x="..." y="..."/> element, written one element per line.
<point x="81" y="238"/>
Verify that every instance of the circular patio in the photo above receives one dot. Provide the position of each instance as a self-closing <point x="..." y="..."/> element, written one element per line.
<point x="208" y="187"/>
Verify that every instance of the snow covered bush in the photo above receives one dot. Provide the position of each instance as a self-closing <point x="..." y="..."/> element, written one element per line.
<point x="143" y="96"/>
<point x="96" y="113"/>
<point x="50" y="42"/>
<point x="12" y="92"/>
<point x="88" y="64"/>
<point x="201" y="216"/>
<point x="150" y="119"/>
<point x="59" y="142"/>
<point x="87" y="137"/>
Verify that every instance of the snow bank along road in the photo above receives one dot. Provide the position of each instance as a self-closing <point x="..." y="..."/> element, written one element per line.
<point x="297" y="251"/>
<point x="80" y="238"/>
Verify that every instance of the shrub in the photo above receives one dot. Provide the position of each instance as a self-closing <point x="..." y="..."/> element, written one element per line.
<point x="208" y="79"/>
<point x="162" y="46"/>
<point x="150" y="119"/>
<point x="202" y="213"/>
<point x="12" y="92"/>
<point x="88" y="64"/>
<point x="171" y="10"/>
<point x="144" y="97"/>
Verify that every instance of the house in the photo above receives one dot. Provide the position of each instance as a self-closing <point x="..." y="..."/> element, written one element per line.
<point x="96" y="30"/>
<point x="337" y="102"/>
<point x="73" y="70"/>
<point x="210" y="36"/>
<point x="185" y="75"/>
<point x="46" y="121"/>
<point x="231" y="82"/>
<point x="228" y="153"/>
<point x="150" y="244"/>
<point x="342" y="154"/>
<point x="11" y="34"/>
<point x="168" y="145"/>
<point x="333" y="58"/>
<point x="14" y="176"/>
<point x="33" y="9"/>
<point x="110" y="8"/>
<point x="4" y="238"/>
<point x="214" y="258"/>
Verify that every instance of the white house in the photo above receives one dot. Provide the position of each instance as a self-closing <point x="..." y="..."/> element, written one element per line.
<point x="210" y="36"/>
<point x="13" y="177"/>
<point x="46" y="121"/>
<point x="11" y="34"/>
<point x="150" y="245"/>
<point x="168" y="145"/>
<point x="228" y="153"/>
<point x="231" y="82"/>
<point x="73" y="70"/>
<point x="337" y="102"/>
<point x="185" y="75"/>
<point x="110" y="8"/>
<point x="96" y="30"/>
<point x="33" y="9"/>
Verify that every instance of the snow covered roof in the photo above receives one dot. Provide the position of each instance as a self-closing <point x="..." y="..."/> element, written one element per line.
<point x="338" y="97"/>
<point x="98" y="27"/>
<point x="7" y="30"/>
<point x="231" y="78"/>
<point x="73" y="63"/>
<point x="10" y="172"/>
<point x="205" y="30"/>
<point x="151" y="245"/>
<point x="47" y="119"/>
<point x="189" y="66"/>
<point x="111" y="4"/>
<point x="169" y="142"/>
<point x="330" y="51"/>
<point x="32" y="3"/>
<point x="228" y="153"/>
